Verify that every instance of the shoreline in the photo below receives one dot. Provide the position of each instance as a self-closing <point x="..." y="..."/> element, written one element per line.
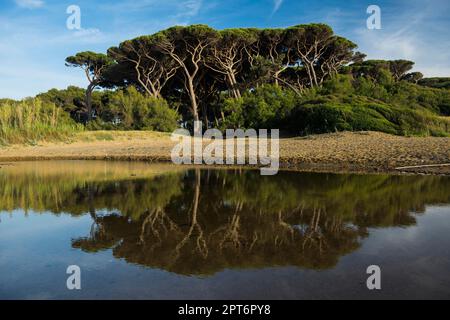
<point x="344" y="152"/>
<point x="317" y="168"/>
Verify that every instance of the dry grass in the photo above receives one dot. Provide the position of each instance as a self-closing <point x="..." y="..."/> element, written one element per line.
<point x="105" y="135"/>
<point x="31" y="120"/>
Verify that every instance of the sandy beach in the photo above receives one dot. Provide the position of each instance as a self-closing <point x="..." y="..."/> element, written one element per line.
<point x="337" y="152"/>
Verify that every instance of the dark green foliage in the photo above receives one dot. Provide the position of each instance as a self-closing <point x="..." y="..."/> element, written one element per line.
<point x="373" y="68"/>
<point x="413" y="77"/>
<point x="136" y="111"/>
<point x="72" y="100"/>
<point x="438" y="83"/>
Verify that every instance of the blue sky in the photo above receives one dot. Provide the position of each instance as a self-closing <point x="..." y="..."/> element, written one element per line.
<point x="34" y="40"/>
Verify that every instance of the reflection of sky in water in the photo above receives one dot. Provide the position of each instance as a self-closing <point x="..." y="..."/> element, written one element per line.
<point x="414" y="256"/>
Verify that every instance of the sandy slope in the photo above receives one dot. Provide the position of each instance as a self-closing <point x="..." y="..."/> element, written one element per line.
<point x="362" y="151"/>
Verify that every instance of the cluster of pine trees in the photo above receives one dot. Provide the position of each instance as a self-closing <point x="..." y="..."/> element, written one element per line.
<point x="196" y="63"/>
<point x="251" y="77"/>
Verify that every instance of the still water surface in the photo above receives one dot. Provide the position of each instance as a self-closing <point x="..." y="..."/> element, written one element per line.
<point x="149" y="231"/>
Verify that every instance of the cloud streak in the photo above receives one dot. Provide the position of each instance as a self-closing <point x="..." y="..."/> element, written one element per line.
<point x="276" y="5"/>
<point x="30" y="4"/>
<point x="187" y="9"/>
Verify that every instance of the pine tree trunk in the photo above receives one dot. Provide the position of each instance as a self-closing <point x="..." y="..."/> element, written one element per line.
<point x="89" y="90"/>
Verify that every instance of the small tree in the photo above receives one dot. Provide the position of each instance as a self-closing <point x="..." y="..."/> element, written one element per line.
<point x="399" y="68"/>
<point x="413" y="77"/>
<point x="94" y="65"/>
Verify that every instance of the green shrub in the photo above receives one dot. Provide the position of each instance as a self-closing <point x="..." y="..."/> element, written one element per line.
<point x="439" y="83"/>
<point x="355" y="113"/>
<point x="264" y="107"/>
<point x="340" y="84"/>
<point x="139" y="112"/>
<point x="368" y="88"/>
<point x="99" y="124"/>
<point x="415" y="96"/>
<point x="235" y="116"/>
<point x="161" y="117"/>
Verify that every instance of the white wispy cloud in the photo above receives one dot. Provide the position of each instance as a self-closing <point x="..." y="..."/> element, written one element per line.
<point x="192" y="7"/>
<point x="185" y="7"/>
<point x="186" y="10"/>
<point x="89" y="35"/>
<point x="408" y="37"/>
<point x="276" y="5"/>
<point x="30" y="4"/>
<point x="173" y="12"/>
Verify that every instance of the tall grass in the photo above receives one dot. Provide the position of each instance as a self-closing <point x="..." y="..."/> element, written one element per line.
<point x="31" y="120"/>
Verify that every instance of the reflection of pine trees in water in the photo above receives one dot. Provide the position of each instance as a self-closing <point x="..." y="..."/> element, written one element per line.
<point x="226" y="219"/>
<point x="202" y="221"/>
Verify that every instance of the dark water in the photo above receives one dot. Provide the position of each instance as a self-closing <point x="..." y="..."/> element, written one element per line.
<point x="159" y="232"/>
